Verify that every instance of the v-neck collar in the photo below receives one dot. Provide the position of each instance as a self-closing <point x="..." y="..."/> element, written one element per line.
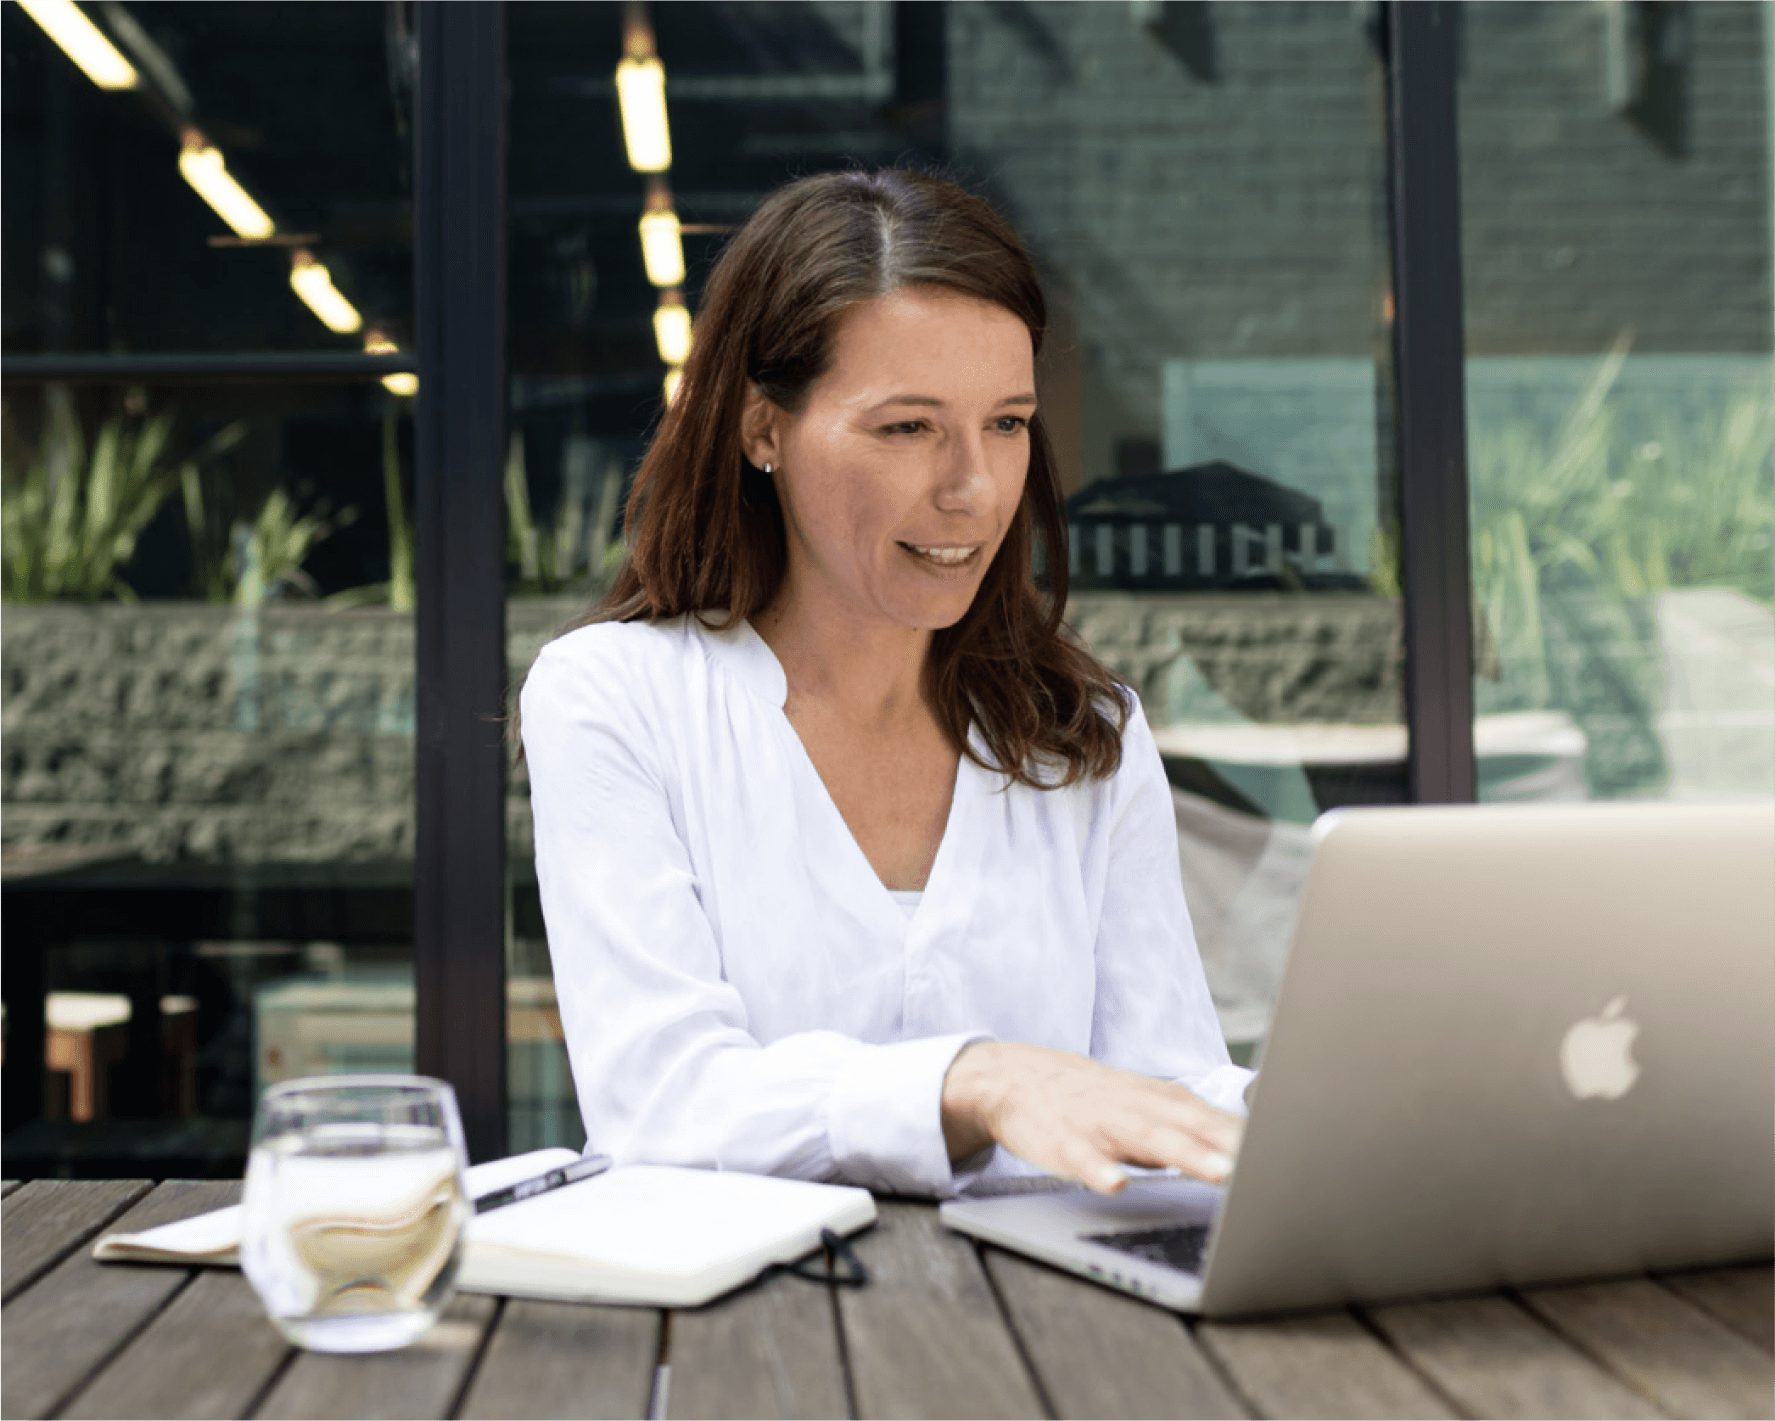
<point x="744" y="654"/>
<point x="749" y="658"/>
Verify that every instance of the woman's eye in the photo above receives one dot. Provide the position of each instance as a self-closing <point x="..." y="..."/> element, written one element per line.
<point x="1005" y="424"/>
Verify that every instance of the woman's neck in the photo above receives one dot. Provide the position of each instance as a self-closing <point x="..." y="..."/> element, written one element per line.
<point x="868" y="676"/>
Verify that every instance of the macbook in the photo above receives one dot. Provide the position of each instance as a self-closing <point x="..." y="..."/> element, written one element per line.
<point x="1514" y="1044"/>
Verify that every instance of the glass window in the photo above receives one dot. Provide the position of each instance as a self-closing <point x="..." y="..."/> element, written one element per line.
<point x="1202" y="187"/>
<point x="1615" y="190"/>
<point x="208" y="768"/>
<point x="250" y="191"/>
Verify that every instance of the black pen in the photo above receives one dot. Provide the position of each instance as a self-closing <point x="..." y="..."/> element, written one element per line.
<point x="542" y="1183"/>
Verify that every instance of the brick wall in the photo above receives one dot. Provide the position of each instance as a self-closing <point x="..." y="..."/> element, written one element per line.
<point x="1576" y="223"/>
<point x="1241" y="216"/>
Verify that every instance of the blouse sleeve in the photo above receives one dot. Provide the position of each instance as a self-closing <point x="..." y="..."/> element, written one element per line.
<point x="1154" y="1013"/>
<point x="663" y="1063"/>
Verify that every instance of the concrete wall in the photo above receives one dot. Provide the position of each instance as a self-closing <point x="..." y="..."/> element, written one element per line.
<point x="186" y="732"/>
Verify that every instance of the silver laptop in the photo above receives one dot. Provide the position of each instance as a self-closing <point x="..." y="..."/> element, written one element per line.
<point x="1514" y="1044"/>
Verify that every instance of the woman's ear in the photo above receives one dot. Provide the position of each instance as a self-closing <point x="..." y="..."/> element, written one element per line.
<point x="760" y="431"/>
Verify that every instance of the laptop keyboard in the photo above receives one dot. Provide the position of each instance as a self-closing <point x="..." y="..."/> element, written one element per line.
<point x="1180" y="1247"/>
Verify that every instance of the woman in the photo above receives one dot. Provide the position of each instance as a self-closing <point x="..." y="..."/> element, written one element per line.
<point x="811" y="908"/>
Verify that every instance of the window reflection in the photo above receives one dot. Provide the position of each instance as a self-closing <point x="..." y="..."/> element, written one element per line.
<point x="248" y="189"/>
<point x="208" y="774"/>
<point x="1616" y="238"/>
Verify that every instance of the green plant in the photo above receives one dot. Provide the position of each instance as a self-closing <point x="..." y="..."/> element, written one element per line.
<point x="400" y="591"/>
<point x="1597" y="514"/>
<point x="208" y="527"/>
<point x="240" y="559"/>
<point x="1702" y="505"/>
<point x="1383" y="572"/>
<point x="70" y="517"/>
<point x="269" y="551"/>
<point x="402" y="581"/>
<point x="546" y="558"/>
<point x="543" y="556"/>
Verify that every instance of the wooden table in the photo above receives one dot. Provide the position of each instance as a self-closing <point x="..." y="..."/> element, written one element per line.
<point x="944" y="1328"/>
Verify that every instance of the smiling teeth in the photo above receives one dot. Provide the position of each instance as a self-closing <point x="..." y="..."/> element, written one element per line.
<point x="948" y="555"/>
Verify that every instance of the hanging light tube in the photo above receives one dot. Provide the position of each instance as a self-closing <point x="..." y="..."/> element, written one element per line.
<point x="311" y="281"/>
<point x="641" y="93"/>
<point x="662" y="237"/>
<point x="202" y="167"/>
<point x="671" y="328"/>
<point x="674" y="378"/>
<point x="402" y="382"/>
<point x="80" y="39"/>
<point x="662" y="248"/>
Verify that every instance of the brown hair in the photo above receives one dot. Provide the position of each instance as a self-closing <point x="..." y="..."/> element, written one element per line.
<point x="704" y="529"/>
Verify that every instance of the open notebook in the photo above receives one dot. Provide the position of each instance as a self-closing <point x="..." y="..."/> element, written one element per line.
<point x="650" y="1235"/>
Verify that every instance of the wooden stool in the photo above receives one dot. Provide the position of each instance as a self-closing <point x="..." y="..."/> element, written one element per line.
<point x="87" y="1033"/>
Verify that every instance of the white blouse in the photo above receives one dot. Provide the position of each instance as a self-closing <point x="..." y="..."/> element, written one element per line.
<point x="739" y="990"/>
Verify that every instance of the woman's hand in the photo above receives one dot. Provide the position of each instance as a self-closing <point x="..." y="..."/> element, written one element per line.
<point x="1080" y="1119"/>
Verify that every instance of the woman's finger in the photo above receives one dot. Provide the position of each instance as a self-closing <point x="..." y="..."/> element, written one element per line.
<point x="1110" y="1178"/>
<point x="1076" y="1159"/>
<point x="1160" y="1144"/>
<point x="1156" y="1132"/>
<point x="1173" y="1148"/>
<point x="1221" y="1128"/>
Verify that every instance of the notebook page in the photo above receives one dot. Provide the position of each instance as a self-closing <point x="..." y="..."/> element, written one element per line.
<point x="214" y="1238"/>
<point x="655" y="1232"/>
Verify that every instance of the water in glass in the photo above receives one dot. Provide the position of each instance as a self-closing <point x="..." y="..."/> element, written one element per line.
<point x="354" y="1211"/>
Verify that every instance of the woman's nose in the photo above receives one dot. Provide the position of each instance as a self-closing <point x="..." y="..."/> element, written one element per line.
<point x="967" y="476"/>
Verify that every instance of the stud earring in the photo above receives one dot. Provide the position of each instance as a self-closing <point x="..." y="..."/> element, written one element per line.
<point x="767" y="471"/>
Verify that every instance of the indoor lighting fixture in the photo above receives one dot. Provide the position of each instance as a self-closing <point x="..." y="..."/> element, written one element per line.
<point x="314" y="284"/>
<point x="202" y="167"/>
<point x="674" y="378"/>
<point x="402" y="382"/>
<point x="671" y="328"/>
<point x="662" y="247"/>
<point x="80" y="39"/>
<point x="641" y="92"/>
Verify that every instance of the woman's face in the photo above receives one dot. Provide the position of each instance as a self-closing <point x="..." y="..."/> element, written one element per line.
<point x="916" y="437"/>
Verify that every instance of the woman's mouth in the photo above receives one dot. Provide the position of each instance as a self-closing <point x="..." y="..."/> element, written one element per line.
<point x="945" y="559"/>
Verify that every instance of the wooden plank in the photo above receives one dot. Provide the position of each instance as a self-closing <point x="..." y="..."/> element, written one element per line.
<point x="420" y="1380"/>
<point x="1319" y="1364"/>
<point x="566" y="1359"/>
<point x="769" y="1350"/>
<point x="1494" y="1359"/>
<point x="1742" y="1298"/>
<point x="1686" y="1361"/>
<point x="926" y="1337"/>
<point x="209" y="1353"/>
<point x="1104" y="1353"/>
<point x="65" y="1327"/>
<point x="47" y="1219"/>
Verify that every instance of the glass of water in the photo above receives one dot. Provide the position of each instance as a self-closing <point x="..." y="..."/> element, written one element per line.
<point x="354" y="1208"/>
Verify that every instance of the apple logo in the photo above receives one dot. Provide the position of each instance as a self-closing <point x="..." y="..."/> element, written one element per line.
<point x="1596" y="1056"/>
